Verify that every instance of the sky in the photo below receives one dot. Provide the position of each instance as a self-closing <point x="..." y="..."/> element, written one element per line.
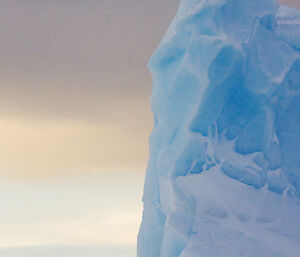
<point x="74" y="123"/>
<point x="72" y="216"/>
<point x="292" y="3"/>
<point x="74" y="86"/>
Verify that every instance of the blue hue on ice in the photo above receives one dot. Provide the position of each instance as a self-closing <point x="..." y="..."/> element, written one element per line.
<point x="223" y="178"/>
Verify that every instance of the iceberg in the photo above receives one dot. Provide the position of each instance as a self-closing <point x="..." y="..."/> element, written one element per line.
<point x="223" y="178"/>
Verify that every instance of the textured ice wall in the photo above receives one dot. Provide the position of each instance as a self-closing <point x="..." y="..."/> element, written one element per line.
<point x="223" y="179"/>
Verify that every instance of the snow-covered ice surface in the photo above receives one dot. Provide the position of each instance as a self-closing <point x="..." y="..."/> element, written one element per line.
<point x="223" y="178"/>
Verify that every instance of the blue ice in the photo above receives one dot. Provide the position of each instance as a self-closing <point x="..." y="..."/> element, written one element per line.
<point x="223" y="178"/>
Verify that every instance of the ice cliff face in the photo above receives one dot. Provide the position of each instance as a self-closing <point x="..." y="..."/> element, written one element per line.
<point x="223" y="178"/>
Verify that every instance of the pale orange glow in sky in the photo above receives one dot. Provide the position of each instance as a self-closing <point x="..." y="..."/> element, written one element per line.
<point x="47" y="148"/>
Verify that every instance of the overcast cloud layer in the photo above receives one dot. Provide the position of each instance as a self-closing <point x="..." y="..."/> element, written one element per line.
<point x="73" y="76"/>
<point x="80" y="59"/>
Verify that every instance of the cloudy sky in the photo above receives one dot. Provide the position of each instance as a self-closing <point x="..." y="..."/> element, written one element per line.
<point x="74" y="86"/>
<point x="74" y="123"/>
<point x="292" y="3"/>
